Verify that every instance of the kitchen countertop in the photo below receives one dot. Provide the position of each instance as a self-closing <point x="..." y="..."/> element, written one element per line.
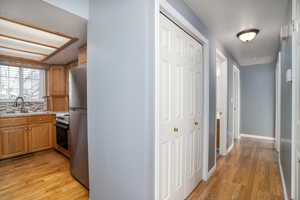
<point x="6" y="115"/>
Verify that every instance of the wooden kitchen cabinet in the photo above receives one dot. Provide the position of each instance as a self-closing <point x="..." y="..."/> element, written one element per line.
<point x="37" y="133"/>
<point x="57" y="90"/>
<point x="57" y="78"/>
<point x="40" y="137"/>
<point x="82" y="57"/>
<point x="14" y="141"/>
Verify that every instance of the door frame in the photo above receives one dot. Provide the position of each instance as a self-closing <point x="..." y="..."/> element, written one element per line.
<point x="295" y="93"/>
<point x="164" y="7"/>
<point x="278" y="103"/>
<point x="224" y="97"/>
<point x="236" y="133"/>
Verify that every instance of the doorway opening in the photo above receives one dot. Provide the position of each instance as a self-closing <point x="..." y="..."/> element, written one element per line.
<point x="235" y="100"/>
<point x="221" y="107"/>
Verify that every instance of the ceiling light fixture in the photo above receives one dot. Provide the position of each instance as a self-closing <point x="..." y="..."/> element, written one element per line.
<point x="248" y="35"/>
<point x="21" y="40"/>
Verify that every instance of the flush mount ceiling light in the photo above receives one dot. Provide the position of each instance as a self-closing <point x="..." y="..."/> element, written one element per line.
<point x="248" y="35"/>
<point x="29" y="42"/>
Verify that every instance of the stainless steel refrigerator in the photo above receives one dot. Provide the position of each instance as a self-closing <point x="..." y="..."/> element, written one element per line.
<point x="78" y="124"/>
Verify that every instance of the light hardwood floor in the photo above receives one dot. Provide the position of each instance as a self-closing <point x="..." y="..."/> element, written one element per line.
<point x="42" y="176"/>
<point x="249" y="172"/>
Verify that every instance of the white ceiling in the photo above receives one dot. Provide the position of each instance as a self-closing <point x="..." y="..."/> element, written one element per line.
<point x="49" y="17"/>
<point x="78" y="7"/>
<point x="225" y="18"/>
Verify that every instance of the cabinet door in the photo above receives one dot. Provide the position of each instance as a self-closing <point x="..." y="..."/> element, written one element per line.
<point x="40" y="137"/>
<point x="57" y="81"/>
<point x="82" y="58"/>
<point x="13" y="142"/>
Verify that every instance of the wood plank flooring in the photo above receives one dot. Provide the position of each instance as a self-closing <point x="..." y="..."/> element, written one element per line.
<point x="249" y="172"/>
<point x="42" y="176"/>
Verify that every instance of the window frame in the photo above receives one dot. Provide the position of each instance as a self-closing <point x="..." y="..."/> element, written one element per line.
<point x="21" y="84"/>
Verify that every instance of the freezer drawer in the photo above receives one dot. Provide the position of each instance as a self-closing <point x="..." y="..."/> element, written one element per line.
<point x="79" y="146"/>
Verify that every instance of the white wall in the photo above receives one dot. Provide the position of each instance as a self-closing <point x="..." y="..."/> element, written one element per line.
<point x="77" y="7"/>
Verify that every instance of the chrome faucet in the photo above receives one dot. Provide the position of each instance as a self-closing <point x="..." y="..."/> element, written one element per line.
<point x="22" y="104"/>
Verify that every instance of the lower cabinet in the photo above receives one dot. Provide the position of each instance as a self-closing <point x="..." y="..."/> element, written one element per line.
<point x="35" y="135"/>
<point x="14" y="141"/>
<point x="40" y="137"/>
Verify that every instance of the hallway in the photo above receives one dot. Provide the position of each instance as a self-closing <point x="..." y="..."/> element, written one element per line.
<point x="249" y="172"/>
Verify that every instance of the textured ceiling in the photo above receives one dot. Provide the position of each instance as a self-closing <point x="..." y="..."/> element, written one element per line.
<point x="225" y="18"/>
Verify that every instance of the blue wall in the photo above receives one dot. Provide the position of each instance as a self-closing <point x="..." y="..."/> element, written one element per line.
<point x="121" y="96"/>
<point x="187" y="12"/>
<point x="121" y="99"/>
<point x="258" y="100"/>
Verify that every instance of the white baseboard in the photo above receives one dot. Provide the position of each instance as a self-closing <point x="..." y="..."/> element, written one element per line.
<point x="211" y="172"/>
<point x="230" y="148"/>
<point x="258" y="137"/>
<point x="283" y="181"/>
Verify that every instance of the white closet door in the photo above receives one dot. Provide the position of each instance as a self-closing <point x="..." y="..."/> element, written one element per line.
<point x="192" y="113"/>
<point x="236" y="100"/>
<point x="179" y="89"/>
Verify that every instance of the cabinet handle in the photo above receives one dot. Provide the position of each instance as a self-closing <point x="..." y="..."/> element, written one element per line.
<point x="175" y="130"/>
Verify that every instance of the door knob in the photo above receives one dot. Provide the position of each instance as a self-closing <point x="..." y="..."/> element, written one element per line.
<point x="196" y="123"/>
<point x="175" y="130"/>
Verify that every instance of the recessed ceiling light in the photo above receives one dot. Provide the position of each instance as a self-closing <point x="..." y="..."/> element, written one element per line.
<point x="248" y="35"/>
<point x="18" y="39"/>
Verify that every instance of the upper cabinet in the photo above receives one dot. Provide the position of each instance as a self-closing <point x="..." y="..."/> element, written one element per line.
<point x="57" y="81"/>
<point x="58" y="97"/>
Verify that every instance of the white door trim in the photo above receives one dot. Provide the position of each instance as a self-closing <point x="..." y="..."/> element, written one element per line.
<point x="278" y="103"/>
<point x="282" y="180"/>
<point x="297" y="189"/>
<point x="174" y="15"/>
<point x="237" y="134"/>
<point x="224" y="96"/>
<point x="295" y="93"/>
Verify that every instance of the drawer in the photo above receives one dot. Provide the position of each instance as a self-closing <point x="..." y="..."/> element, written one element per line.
<point x="41" y="118"/>
<point x="13" y="121"/>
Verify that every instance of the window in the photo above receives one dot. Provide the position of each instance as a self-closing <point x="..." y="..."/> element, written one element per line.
<point x="25" y="82"/>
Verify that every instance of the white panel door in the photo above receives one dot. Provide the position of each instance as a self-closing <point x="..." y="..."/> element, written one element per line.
<point x="192" y="113"/>
<point x="236" y="100"/>
<point x="180" y="88"/>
